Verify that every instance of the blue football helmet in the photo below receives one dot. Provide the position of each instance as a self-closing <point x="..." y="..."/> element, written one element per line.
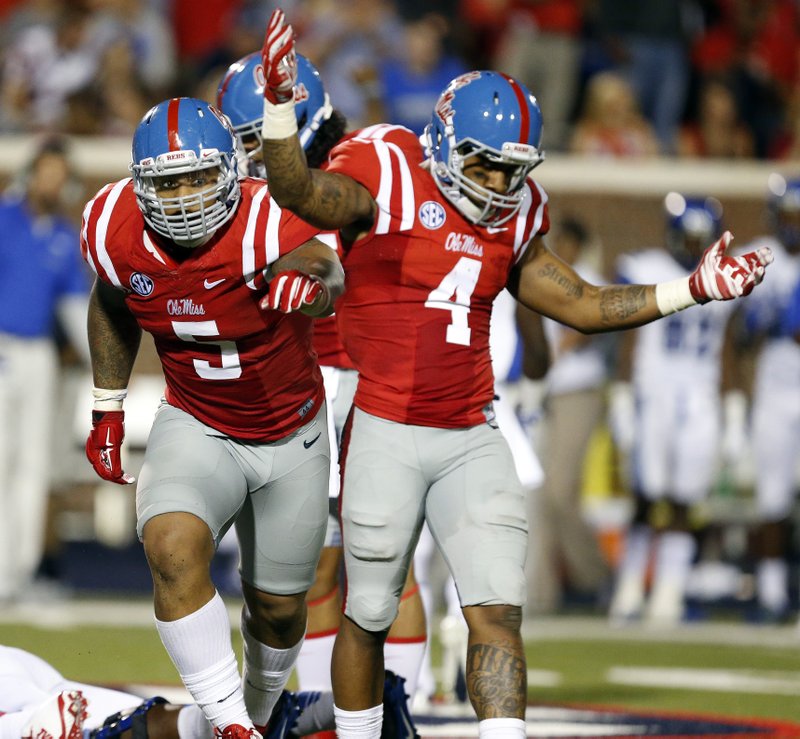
<point x="784" y="210"/>
<point x="241" y="97"/>
<point x="693" y="224"/>
<point x="492" y="115"/>
<point x="175" y="137"/>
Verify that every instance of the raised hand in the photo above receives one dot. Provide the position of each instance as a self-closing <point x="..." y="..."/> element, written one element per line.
<point x="279" y="59"/>
<point x="290" y="291"/>
<point x="104" y="445"/>
<point x="722" y="277"/>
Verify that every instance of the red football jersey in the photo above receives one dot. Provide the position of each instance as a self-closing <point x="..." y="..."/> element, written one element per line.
<point x="415" y="314"/>
<point x="246" y="372"/>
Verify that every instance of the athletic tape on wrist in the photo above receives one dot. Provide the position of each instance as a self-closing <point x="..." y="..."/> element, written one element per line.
<point x="673" y="296"/>
<point x="280" y="121"/>
<point x="108" y="400"/>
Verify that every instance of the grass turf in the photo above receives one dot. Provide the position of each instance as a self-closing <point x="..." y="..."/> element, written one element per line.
<point x="118" y="656"/>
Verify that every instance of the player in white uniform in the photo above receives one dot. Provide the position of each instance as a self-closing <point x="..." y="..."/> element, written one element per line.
<point x="776" y="400"/>
<point x="672" y="437"/>
<point x="38" y="702"/>
<point x="574" y="405"/>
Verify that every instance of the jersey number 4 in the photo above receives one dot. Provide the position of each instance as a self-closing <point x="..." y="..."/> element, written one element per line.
<point x="230" y="368"/>
<point x="454" y="294"/>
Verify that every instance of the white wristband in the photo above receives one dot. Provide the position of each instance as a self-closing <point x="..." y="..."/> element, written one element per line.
<point x="108" y="400"/>
<point x="280" y="121"/>
<point x="673" y="296"/>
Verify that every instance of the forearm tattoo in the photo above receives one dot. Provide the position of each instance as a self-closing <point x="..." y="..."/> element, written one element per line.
<point x="497" y="681"/>
<point x="620" y="302"/>
<point x="572" y="288"/>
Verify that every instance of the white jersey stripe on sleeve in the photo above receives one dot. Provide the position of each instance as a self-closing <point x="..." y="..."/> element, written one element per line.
<point x="102" y="231"/>
<point x="85" y="229"/>
<point x="521" y="237"/>
<point x="387" y="190"/>
<point x="248" y="240"/>
<point x="273" y="232"/>
<point x="407" y="189"/>
<point x="384" y="196"/>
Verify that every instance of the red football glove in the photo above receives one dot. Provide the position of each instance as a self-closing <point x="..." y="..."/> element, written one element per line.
<point x="279" y="59"/>
<point x="104" y="444"/>
<point x="720" y="277"/>
<point x="291" y="291"/>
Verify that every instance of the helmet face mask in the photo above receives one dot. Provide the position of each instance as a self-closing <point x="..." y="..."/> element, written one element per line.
<point x="784" y="210"/>
<point x="491" y="116"/>
<point x="176" y="138"/>
<point x="693" y="224"/>
<point x="241" y="97"/>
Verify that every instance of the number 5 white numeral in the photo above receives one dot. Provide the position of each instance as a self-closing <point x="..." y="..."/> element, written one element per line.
<point x="231" y="367"/>
<point x="454" y="294"/>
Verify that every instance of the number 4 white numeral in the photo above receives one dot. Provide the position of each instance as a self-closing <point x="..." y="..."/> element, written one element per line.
<point x="454" y="294"/>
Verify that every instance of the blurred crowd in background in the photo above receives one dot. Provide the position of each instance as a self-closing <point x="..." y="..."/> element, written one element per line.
<point x="623" y="78"/>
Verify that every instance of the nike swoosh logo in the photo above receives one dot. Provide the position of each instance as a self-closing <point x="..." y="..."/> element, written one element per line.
<point x="308" y="444"/>
<point x="208" y="284"/>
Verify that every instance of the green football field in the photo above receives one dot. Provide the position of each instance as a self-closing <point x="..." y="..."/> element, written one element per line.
<point x="725" y="669"/>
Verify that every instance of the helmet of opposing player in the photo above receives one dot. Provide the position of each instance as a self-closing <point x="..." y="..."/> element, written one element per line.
<point x="241" y="97"/>
<point x="693" y="224"/>
<point x="177" y="137"/>
<point x="783" y="206"/>
<point x="490" y="115"/>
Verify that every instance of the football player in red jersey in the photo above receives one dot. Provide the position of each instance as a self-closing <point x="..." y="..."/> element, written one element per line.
<point x="240" y="96"/>
<point x="227" y="283"/>
<point x="430" y="238"/>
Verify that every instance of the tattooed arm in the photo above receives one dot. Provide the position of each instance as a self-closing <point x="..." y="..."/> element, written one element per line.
<point x="114" y="337"/>
<point x="324" y="199"/>
<point x="543" y="282"/>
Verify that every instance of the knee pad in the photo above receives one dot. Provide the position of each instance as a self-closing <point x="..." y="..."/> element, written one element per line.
<point x="372" y="612"/>
<point x="135" y="721"/>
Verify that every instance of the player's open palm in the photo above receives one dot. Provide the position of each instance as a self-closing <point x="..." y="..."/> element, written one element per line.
<point x="723" y="277"/>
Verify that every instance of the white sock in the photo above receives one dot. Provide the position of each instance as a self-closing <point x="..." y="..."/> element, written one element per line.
<point x="192" y="723"/>
<point x="364" y="724"/>
<point x="266" y="672"/>
<point x="314" y="663"/>
<point x="404" y="658"/>
<point x="772" y="580"/>
<point x="637" y="552"/>
<point x="200" y="648"/>
<point x="674" y="554"/>
<point x="501" y="728"/>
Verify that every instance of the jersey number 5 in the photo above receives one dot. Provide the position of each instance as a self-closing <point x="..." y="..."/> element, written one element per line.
<point x="453" y="294"/>
<point x="231" y="366"/>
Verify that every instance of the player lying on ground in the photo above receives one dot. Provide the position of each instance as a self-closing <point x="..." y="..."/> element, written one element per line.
<point x="38" y="702"/>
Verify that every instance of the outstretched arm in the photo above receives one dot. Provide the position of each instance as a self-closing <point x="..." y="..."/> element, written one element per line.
<point x="545" y="283"/>
<point x="324" y="199"/>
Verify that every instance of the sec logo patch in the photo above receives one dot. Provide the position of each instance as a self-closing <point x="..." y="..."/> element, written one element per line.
<point x="432" y="215"/>
<point x="141" y="284"/>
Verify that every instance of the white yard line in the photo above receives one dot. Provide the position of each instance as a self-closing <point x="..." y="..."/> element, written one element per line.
<point x="686" y="678"/>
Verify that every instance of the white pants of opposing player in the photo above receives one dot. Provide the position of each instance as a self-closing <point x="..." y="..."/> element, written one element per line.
<point x="28" y="372"/>
<point x="676" y="444"/>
